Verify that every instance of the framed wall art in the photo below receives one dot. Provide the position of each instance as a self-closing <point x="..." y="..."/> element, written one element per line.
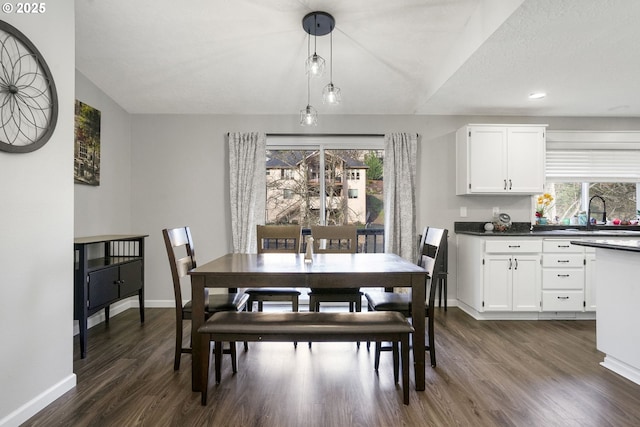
<point x="86" y="165"/>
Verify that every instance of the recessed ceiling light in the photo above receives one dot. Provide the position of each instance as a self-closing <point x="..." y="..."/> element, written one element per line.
<point x="537" y="95"/>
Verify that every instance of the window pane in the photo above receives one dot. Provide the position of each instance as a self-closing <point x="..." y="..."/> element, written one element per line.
<point x="567" y="197"/>
<point x="295" y="182"/>
<point x="348" y="168"/>
<point x="620" y="198"/>
<point x="287" y="183"/>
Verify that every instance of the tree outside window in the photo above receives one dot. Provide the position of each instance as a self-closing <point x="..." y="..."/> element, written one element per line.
<point x="297" y="178"/>
<point x="573" y="197"/>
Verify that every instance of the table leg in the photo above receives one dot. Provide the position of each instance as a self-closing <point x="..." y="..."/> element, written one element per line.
<point x="417" y="315"/>
<point x="197" y="340"/>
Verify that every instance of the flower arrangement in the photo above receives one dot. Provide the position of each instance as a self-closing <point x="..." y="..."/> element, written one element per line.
<point x="543" y="204"/>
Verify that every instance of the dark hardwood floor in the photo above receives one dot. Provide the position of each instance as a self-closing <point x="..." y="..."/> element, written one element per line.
<point x="490" y="373"/>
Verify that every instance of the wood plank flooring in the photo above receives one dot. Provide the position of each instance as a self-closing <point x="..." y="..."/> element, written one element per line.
<point x="489" y="373"/>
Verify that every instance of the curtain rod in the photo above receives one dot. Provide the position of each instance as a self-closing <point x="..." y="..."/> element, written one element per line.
<point x="314" y="135"/>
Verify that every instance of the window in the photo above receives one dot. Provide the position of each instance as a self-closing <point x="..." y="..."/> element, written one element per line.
<point x="573" y="197"/>
<point x="336" y="169"/>
<point x="302" y="169"/>
<point x="581" y="165"/>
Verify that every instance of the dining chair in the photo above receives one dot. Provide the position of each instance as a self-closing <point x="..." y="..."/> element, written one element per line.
<point x="181" y="254"/>
<point x="429" y="257"/>
<point x="441" y="274"/>
<point x="335" y="239"/>
<point x="276" y="239"/>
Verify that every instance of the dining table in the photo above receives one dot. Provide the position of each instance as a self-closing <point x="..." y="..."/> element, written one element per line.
<point x="336" y="270"/>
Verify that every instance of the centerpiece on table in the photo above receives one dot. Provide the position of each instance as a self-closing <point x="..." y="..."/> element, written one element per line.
<point x="544" y="203"/>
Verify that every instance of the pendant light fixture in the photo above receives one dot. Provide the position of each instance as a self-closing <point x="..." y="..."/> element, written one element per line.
<point x="308" y="115"/>
<point x="331" y="93"/>
<point x="318" y="24"/>
<point x="315" y="63"/>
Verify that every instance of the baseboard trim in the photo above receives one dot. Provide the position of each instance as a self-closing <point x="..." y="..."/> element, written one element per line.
<point x="38" y="403"/>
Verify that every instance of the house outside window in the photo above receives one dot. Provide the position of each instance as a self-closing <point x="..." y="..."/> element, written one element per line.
<point x="320" y="182"/>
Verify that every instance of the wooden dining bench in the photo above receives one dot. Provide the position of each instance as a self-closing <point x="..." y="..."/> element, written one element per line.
<point x="306" y="326"/>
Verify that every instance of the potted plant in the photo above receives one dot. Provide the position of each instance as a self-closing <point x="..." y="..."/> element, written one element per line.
<point x="544" y="203"/>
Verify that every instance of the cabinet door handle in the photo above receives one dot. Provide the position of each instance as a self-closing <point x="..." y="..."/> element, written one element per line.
<point x="514" y="246"/>
<point x="563" y="297"/>
<point x="505" y="184"/>
<point x="510" y="263"/>
<point x="564" y="246"/>
<point x="563" y="275"/>
<point x="516" y="264"/>
<point x="563" y="260"/>
<point x="510" y="185"/>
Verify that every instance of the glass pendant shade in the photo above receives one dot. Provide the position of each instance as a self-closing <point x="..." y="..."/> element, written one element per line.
<point x="308" y="116"/>
<point x="331" y="95"/>
<point x="315" y="65"/>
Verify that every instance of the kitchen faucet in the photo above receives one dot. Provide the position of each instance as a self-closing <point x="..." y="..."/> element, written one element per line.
<point x="604" y="210"/>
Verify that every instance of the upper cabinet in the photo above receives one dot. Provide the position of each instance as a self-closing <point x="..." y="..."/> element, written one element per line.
<point x="500" y="159"/>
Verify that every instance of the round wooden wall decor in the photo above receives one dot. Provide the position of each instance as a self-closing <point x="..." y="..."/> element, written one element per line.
<point x="28" y="97"/>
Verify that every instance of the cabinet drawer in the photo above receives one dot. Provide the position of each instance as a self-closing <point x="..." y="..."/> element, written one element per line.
<point x="564" y="246"/>
<point x="563" y="260"/>
<point x="562" y="300"/>
<point x="513" y="246"/>
<point x="562" y="278"/>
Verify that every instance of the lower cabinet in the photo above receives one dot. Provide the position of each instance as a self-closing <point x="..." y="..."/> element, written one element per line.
<point x="512" y="276"/>
<point x="544" y="277"/>
<point x="114" y="283"/>
<point x="108" y="268"/>
<point x="563" y="276"/>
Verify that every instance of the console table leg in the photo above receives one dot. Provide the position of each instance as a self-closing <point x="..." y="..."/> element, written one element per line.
<point x="141" y="303"/>
<point x="82" y="324"/>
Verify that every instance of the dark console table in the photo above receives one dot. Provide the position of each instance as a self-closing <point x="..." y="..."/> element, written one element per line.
<point x="108" y="268"/>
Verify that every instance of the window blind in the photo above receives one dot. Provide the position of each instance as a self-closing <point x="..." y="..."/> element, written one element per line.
<point x="593" y="165"/>
<point x="593" y="156"/>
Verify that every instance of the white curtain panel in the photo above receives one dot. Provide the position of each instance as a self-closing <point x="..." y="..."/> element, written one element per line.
<point x="247" y="187"/>
<point x="400" y="153"/>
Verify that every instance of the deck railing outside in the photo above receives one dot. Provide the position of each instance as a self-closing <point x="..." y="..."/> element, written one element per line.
<point x="370" y="240"/>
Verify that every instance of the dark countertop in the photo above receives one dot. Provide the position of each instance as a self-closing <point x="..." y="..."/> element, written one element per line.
<point x="620" y="245"/>
<point x="524" y="229"/>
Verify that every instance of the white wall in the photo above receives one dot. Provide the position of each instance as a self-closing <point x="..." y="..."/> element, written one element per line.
<point x="36" y="229"/>
<point x="106" y="208"/>
<point x="181" y="167"/>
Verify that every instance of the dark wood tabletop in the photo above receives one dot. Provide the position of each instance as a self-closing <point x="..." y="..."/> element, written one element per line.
<point x="325" y="270"/>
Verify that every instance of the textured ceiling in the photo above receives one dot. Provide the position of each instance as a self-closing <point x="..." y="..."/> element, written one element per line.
<point x="477" y="57"/>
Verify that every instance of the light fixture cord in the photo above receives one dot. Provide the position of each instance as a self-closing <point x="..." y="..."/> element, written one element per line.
<point x="308" y="74"/>
<point x="331" y="55"/>
<point x="315" y="34"/>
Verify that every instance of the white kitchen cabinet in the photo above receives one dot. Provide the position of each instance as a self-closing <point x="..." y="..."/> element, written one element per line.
<point x="511" y="276"/>
<point x="589" y="284"/>
<point x="563" y="276"/>
<point x="500" y="159"/>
